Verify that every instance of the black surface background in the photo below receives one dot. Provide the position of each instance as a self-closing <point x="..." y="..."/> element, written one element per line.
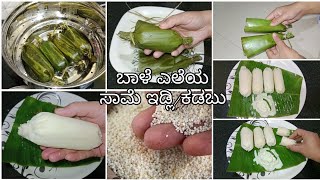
<point x="223" y="129"/>
<point x="310" y="70"/>
<point x="114" y="13"/>
<point x="10" y="99"/>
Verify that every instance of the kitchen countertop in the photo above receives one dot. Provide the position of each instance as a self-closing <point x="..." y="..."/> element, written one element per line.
<point x="310" y="70"/>
<point x="224" y="128"/>
<point x="10" y="99"/>
<point x="114" y="13"/>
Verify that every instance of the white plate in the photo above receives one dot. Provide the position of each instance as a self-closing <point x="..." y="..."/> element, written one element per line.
<point x="288" y="173"/>
<point x="122" y="53"/>
<point x="57" y="98"/>
<point x="284" y="64"/>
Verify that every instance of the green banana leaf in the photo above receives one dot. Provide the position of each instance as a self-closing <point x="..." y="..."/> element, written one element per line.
<point x="262" y="26"/>
<point x="254" y="45"/>
<point x="242" y="161"/>
<point x="166" y="63"/>
<point x="24" y="152"/>
<point x="286" y="103"/>
<point x="150" y="36"/>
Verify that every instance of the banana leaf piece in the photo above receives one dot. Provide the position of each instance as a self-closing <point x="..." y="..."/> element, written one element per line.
<point x="262" y="26"/>
<point x="66" y="46"/>
<point x="286" y="104"/>
<point x="78" y="39"/>
<point x="242" y="161"/>
<point x="23" y="152"/>
<point x="54" y="55"/>
<point x="91" y="14"/>
<point x="35" y="60"/>
<point x="166" y="63"/>
<point x="150" y="36"/>
<point x="254" y="45"/>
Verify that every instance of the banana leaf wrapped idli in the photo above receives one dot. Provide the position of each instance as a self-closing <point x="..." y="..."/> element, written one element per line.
<point x="166" y="63"/>
<point x="150" y="36"/>
<point x="262" y="26"/>
<point x="254" y="45"/>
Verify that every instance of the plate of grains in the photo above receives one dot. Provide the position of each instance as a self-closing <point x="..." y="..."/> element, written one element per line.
<point x="129" y="158"/>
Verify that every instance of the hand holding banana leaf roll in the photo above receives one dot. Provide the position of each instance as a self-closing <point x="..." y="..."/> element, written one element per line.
<point x="254" y="45"/>
<point x="150" y="36"/>
<point x="291" y="13"/>
<point x="195" y="24"/>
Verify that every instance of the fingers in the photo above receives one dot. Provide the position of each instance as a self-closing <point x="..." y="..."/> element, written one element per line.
<point x="278" y="20"/>
<point x="272" y="15"/>
<point x="45" y="153"/>
<point x="270" y="54"/>
<point x="157" y="54"/>
<point x="178" y="51"/>
<point x="296" y="148"/>
<point x="55" y="155"/>
<point x="142" y="121"/>
<point x="147" y="51"/>
<point x="198" y="144"/>
<point x="79" y="155"/>
<point x="170" y="22"/>
<point x="81" y="109"/>
<point x="298" y="133"/>
<point x="162" y="136"/>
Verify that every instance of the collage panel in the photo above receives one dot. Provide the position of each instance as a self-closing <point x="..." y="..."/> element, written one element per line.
<point x="284" y="30"/>
<point x="181" y="90"/>
<point x="267" y="89"/>
<point x="147" y="142"/>
<point x="53" y="135"/>
<point x="266" y="149"/>
<point x="136" y="44"/>
<point x="53" y="45"/>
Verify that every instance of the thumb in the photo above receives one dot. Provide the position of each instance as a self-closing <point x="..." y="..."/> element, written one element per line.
<point x="80" y="109"/>
<point x="170" y="22"/>
<point x="296" y="148"/>
<point x="278" y="41"/>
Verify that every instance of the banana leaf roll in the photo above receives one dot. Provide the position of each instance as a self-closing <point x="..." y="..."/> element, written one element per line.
<point x="254" y="45"/>
<point x="166" y="63"/>
<point x="150" y="36"/>
<point x="262" y="26"/>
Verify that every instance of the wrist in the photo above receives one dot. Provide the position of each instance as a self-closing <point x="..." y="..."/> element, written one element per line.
<point x="309" y="7"/>
<point x="317" y="159"/>
<point x="208" y="21"/>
